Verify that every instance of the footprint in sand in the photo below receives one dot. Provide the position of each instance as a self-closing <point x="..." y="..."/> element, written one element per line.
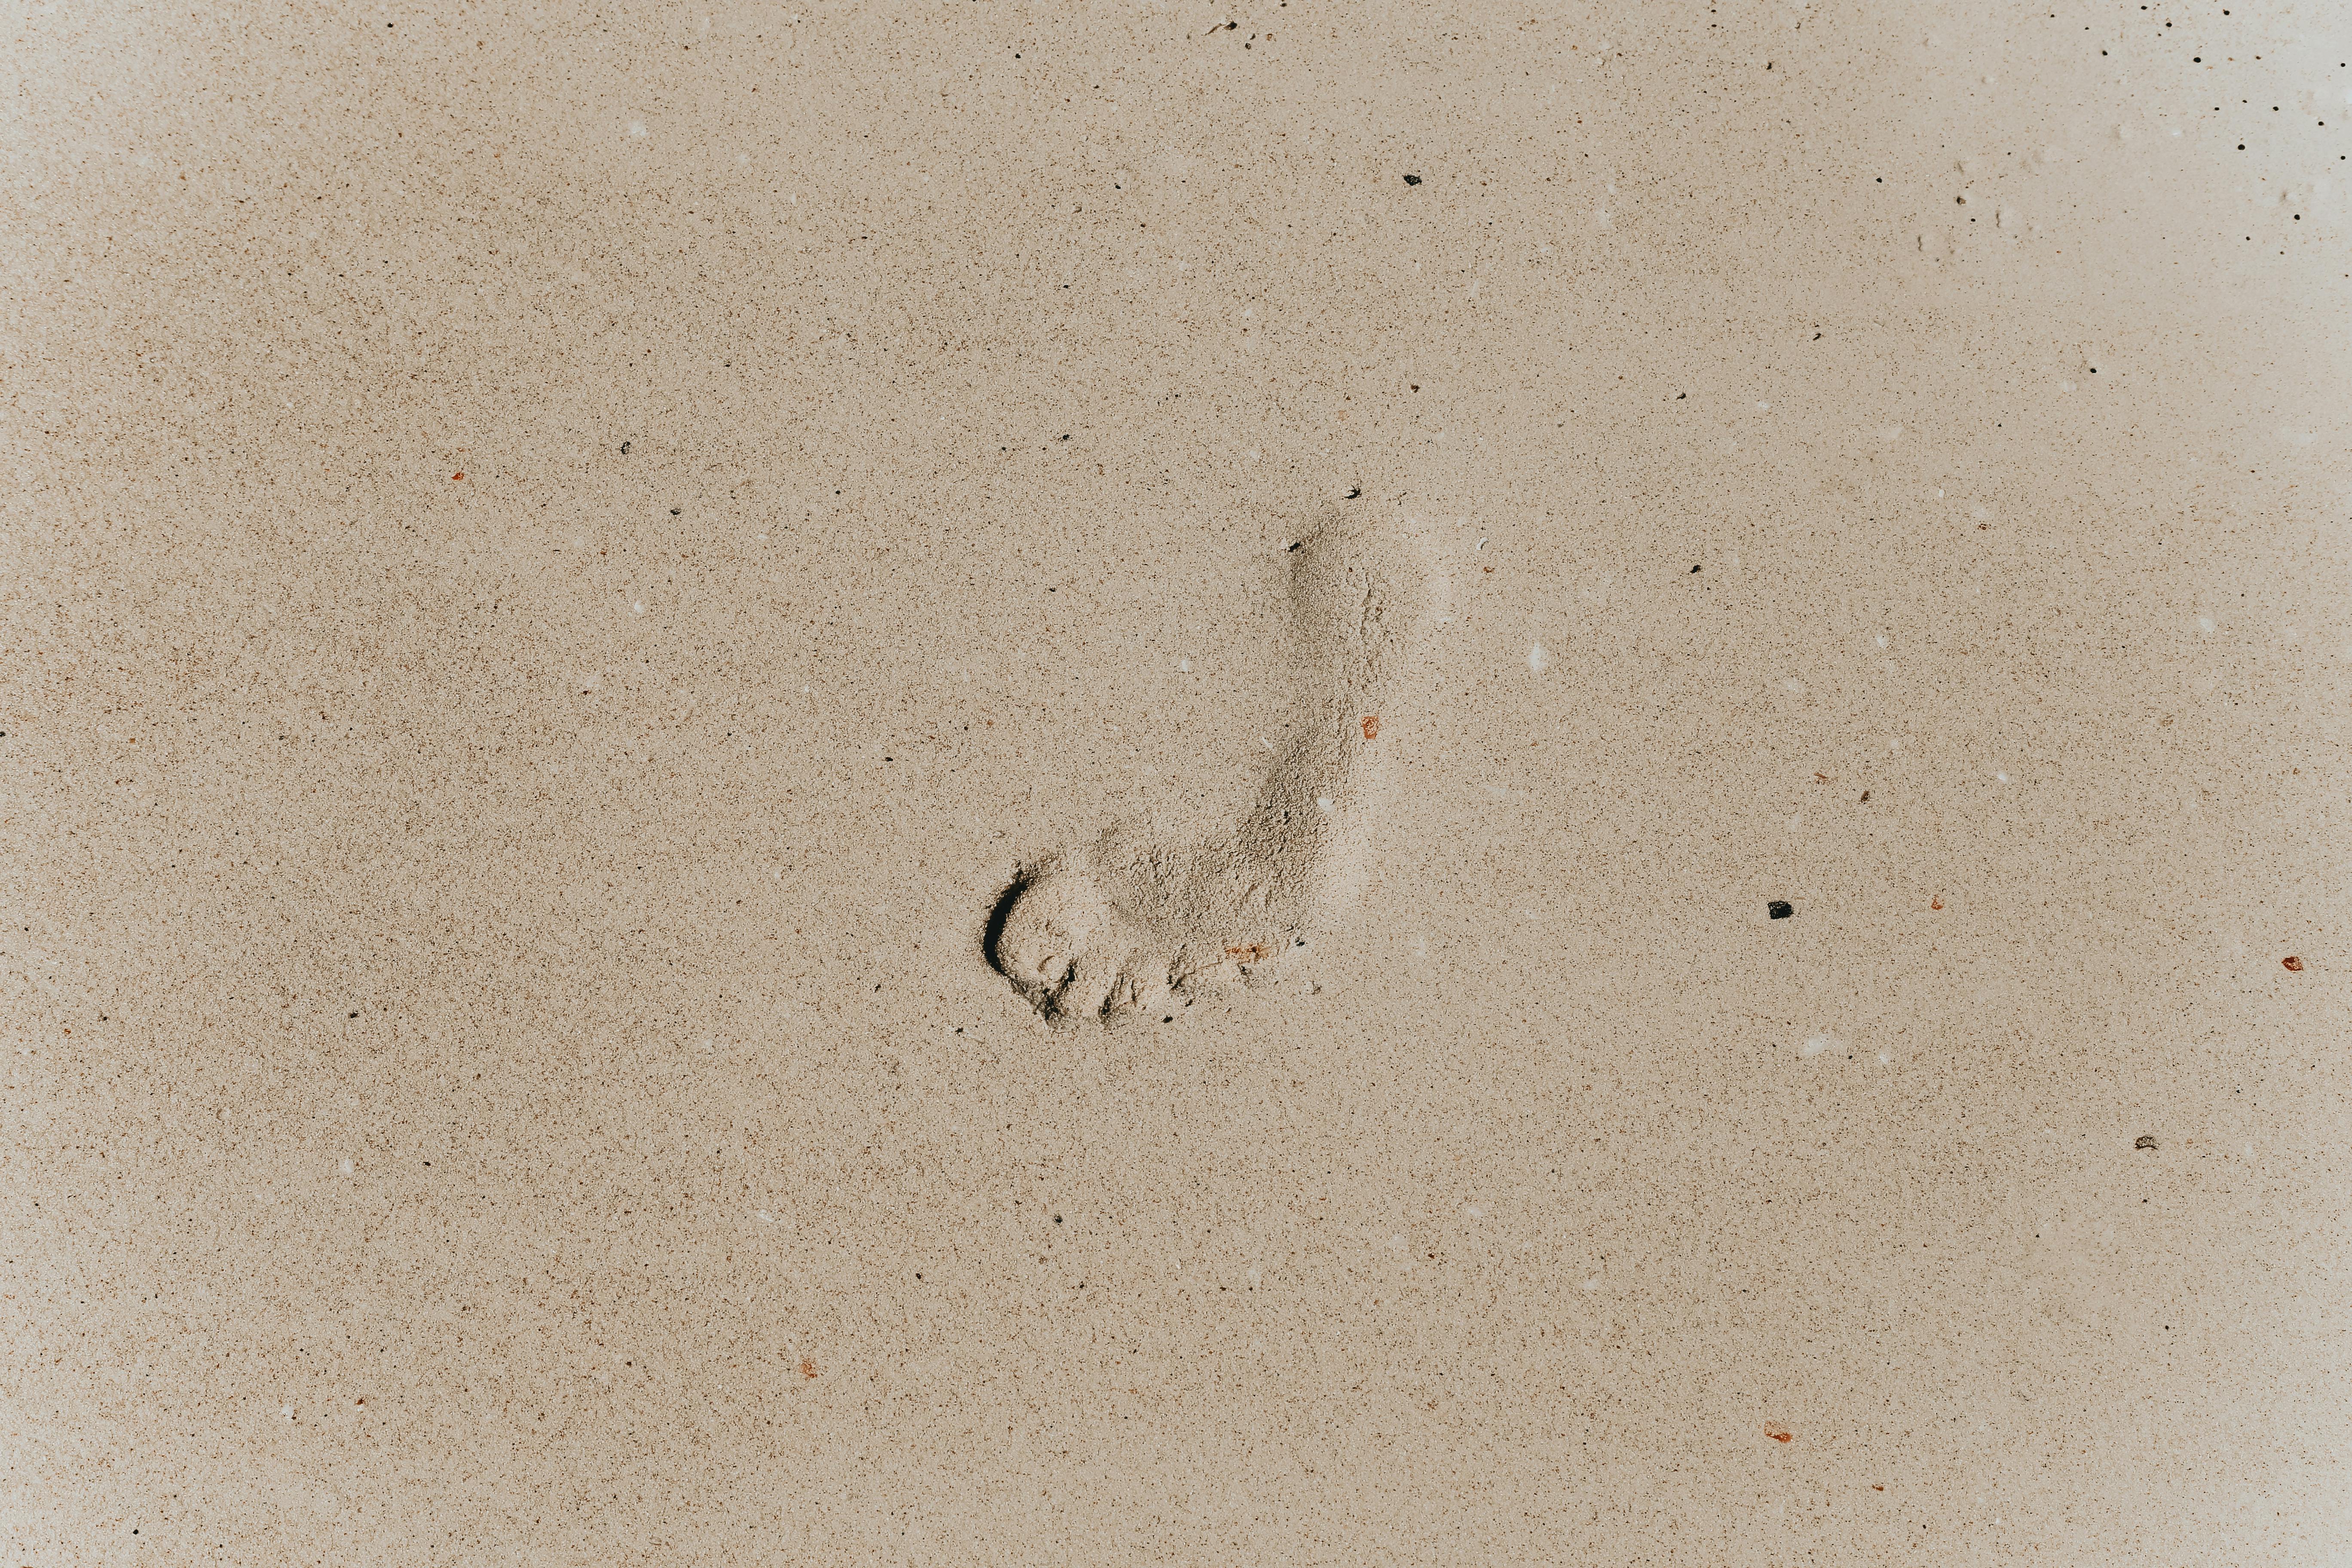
<point x="1121" y="928"/>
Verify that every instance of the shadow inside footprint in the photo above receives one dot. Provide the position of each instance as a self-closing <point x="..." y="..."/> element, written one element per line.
<point x="991" y="936"/>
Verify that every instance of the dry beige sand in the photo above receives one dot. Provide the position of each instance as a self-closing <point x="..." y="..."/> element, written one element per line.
<point x="561" y="562"/>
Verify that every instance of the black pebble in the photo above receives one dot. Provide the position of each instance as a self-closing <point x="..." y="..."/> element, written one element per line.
<point x="1355" y="491"/>
<point x="624" y="449"/>
<point x="2145" y="1141"/>
<point x="1693" y="568"/>
<point x="673" y="511"/>
<point x="1412" y="179"/>
<point x="1780" y="909"/>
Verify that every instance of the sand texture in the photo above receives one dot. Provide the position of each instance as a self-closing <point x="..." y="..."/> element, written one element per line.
<point x="977" y="784"/>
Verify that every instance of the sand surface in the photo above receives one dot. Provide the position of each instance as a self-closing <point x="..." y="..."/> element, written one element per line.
<point x="566" y="568"/>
